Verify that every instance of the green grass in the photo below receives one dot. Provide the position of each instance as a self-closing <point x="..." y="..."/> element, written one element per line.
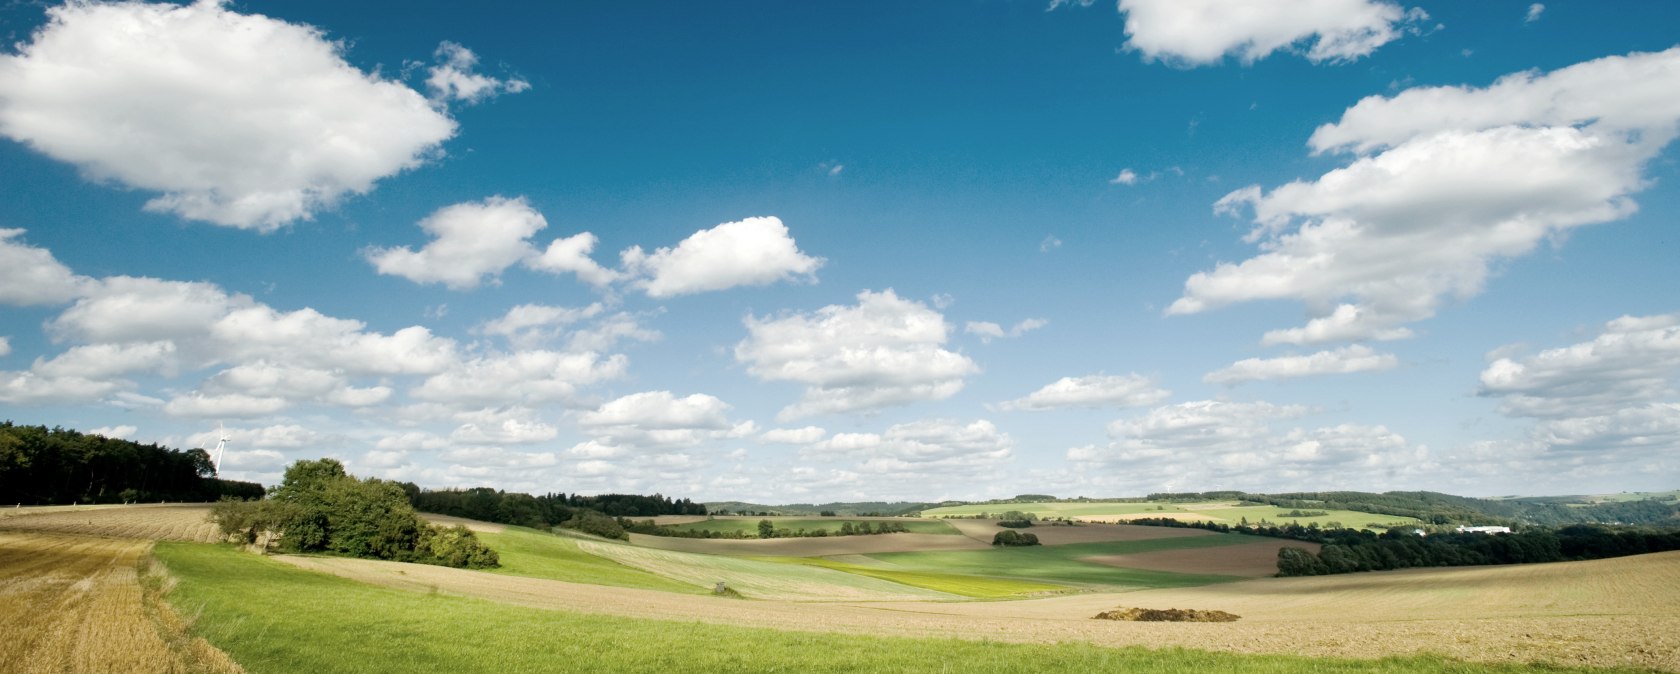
<point x="1225" y="512"/>
<point x="749" y="525"/>
<point x="275" y="619"/>
<point x="962" y="585"/>
<point x="1062" y="563"/>
<point x="532" y="553"/>
<point x="760" y="579"/>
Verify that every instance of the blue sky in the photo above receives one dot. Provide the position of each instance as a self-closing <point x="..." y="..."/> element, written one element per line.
<point x="804" y="252"/>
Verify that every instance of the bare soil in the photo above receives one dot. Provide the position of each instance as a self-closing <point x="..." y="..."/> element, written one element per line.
<point x="474" y="525"/>
<point x="1249" y="560"/>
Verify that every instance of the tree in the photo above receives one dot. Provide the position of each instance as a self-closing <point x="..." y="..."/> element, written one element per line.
<point x="766" y="529"/>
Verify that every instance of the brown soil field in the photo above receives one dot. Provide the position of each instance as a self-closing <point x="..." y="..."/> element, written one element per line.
<point x="1250" y="560"/>
<point x="688" y="519"/>
<point x="1601" y="613"/>
<point x="983" y="531"/>
<point x="100" y="620"/>
<point x="811" y="547"/>
<point x="151" y="522"/>
<point x="474" y="525"/>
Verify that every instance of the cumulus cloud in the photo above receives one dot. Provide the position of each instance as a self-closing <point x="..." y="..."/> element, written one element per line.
<point x="470" y="242"/>
<point x="989" y="331"/>
<point x="661" y="410"/>
<point x="571" y="255"/>
<point x="453" y="78"/>
<point x="1355" y="358"/>
<point x="1091" y="391"/>
<point x="921" y="450"/>
<point x="230" y="405"/>
<point x="1203" y="32"/>
<point x="5" y="347"/>
<point x="239" y="120"/>
<point x="32" y="276"/>
<point x="794" y="436"/>
<point x="884" y="351"/>
<point x="1533" y="13"/>
<point x="508" y="431"/>
<point x="122" y="432"/>
<point x="1126" y="177"/>
<point x="1235" y="446"/>
<point x="520" y="377"/>
<point x="1633" y="362"/>
<point x="533" y="323"/>
<point x="750" y="252"/>
<point x="1443" y="182"/>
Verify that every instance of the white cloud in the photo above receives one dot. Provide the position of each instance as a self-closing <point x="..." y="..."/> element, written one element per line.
<point x="1228" y="445"/>
<point x="231" y="405"/>
<point x="509" y="431"/>
<point x="1126" y="177"/>
<point x="294" y="384"/>
<point x="1202" y="32"/>
<point x="453" y="79"/>
<point x="1348" y="359"/>
<point x="30" y="275"/>
<point x="533" y="323"/>
<point x="470" y="242"/>
<point x="921" y="450"/>
<point x="794" y="436"/>
<point x="1049" y="243"/>
<point x="750" y="252"/>
<point x="520" y="377"/>
<point x="29" y="388"/>
<point x="1445" y="181"/>
<point x="104" y="361"/>
<point x="661" y="410"/>
<point x="989" y="331"/>
<point x="123" y="432"/>
<point x="5" y="347"/>
<point x="606" y="333"/>
<point x="1534" y="12"/>
<point x="1092" y="391"/>
<point x="882" y="352"/>
<point x="411" y="441"/>
<point x="239" y="120"/>
<point x="571" y="254"/>
<point x="1634" y="361"/>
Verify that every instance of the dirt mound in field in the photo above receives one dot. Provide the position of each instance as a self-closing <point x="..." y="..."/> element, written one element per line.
<point x="1168" y="615"/>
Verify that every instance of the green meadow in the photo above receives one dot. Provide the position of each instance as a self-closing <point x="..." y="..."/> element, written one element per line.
<point x="277" y="619"/>
<point x="1064" y="564"/>
<point x="535" y="554"/>
<point x="748" y="526"/>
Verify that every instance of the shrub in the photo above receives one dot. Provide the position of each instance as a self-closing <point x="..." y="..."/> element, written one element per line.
<point x="1014" y="539"/>
<point x="596" y="524"/>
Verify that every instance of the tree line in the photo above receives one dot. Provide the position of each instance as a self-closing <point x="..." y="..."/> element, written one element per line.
<point x="1352" y="550"/>
<point x="56" y="466"/>
<point x="545" y="511"/>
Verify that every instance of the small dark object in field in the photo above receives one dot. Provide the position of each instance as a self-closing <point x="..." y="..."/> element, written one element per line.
<point x="1177" y="615"/>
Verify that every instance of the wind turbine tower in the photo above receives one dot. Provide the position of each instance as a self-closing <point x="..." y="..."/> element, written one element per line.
<point x="221" y="447"/>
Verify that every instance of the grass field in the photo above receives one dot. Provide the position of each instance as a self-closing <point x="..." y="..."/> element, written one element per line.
<point x="276" y="619"/>
<point x="749" y="525"/>
<point x="77" y="604"/>
<point x="760" y="579"/>
<point x="535" y="554"/>
<point x="978" y="587"/>
<point x="1228" y="512"/>
<point x="1064" y="564"/>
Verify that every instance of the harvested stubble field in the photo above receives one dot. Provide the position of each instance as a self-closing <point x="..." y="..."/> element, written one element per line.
<point x="1618" y="612"/>
<point x="1228" y="512"/>
<point x="76" y="604"/>
<point x="983" y="531"/>
<point x="152" y="522"/>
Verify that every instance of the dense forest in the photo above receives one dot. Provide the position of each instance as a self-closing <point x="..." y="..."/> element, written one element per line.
<point x="541" y="512"/>
<point x="54" y="466"/>
<point x="1351" y="550"/>
<point x="1436" y="508"/>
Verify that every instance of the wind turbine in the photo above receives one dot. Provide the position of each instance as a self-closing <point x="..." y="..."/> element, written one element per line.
<point x="221" y="446"/>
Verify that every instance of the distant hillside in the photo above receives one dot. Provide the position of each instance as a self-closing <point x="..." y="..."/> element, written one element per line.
<point x="850" y="509"/>
<point x="1438" y="508"/>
